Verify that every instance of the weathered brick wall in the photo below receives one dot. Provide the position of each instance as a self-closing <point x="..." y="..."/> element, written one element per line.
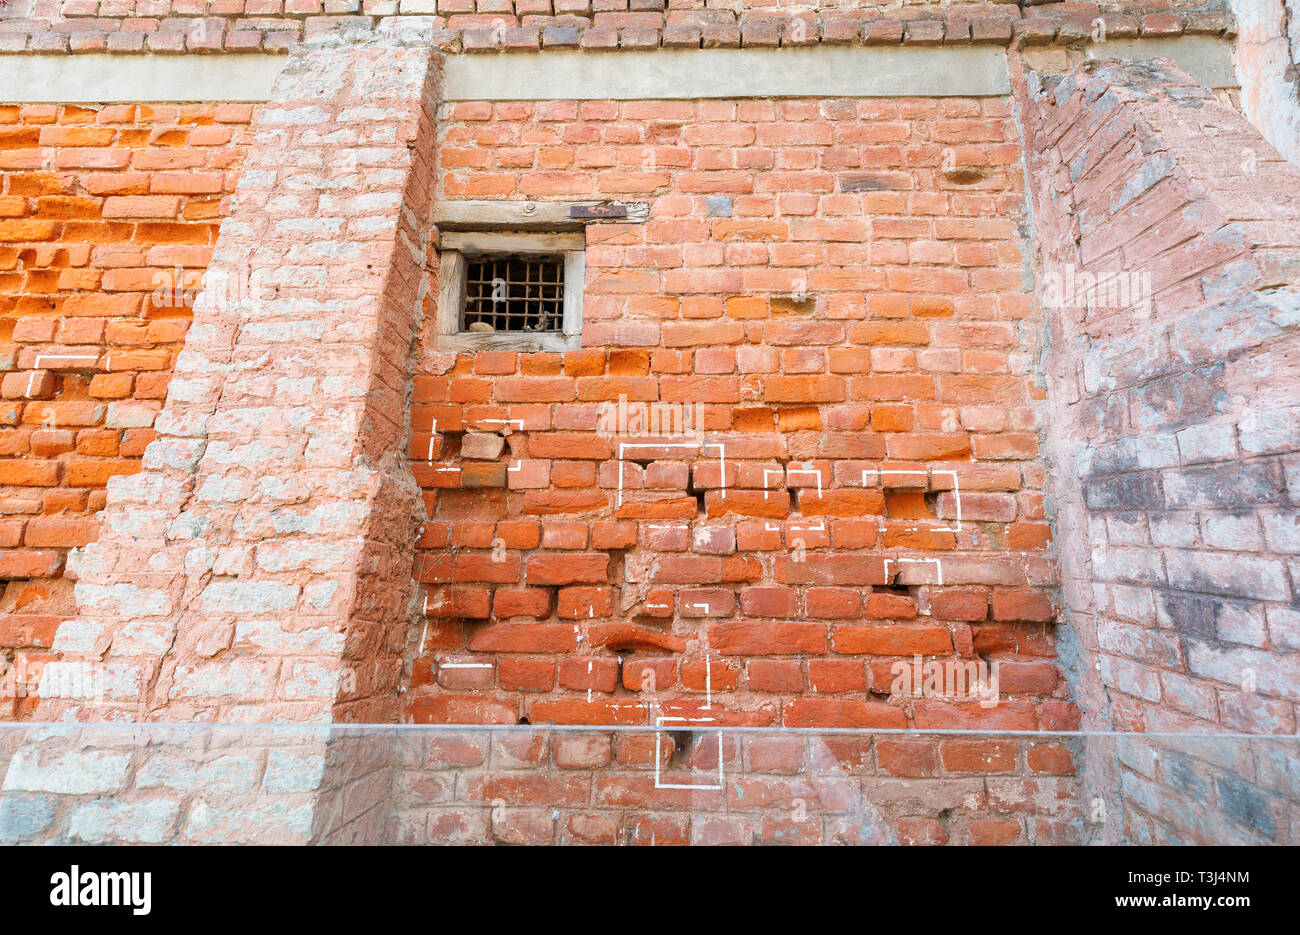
<point x="170" y="26"/>
<point x="1176" y="410"/>
<point x="1268" y="50"/>
<point x="109" y="217"/>
<point x="840" y="286"/>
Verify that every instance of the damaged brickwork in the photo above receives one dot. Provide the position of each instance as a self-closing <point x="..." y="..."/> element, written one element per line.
<point x="837" y="288"/>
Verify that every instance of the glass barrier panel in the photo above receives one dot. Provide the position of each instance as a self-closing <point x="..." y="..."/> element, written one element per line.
<point x="673" y="785"/>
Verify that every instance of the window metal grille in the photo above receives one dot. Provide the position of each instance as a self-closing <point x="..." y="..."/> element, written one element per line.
<point x="514" y="293"/>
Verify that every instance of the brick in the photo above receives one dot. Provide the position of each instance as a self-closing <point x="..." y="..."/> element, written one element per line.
<point x="832" y="603"/>
<point x="774" y="675"/>
<point x="31" y="384"/>
<point x="29" y="473"/>
<point x="1021" y="605"/>
<point x="769" y="602"/>
<point x="529" y="675"/>
<point x="50" y="531"/>
<point x="566" y="569"/>
<point x="891" y="639"/>
<point x="141" y="206"/>
<point x="767" y="638"/>
<point x="30" y="563"/>
<point x="836" y="712"/>
<point x="597" y="674"/>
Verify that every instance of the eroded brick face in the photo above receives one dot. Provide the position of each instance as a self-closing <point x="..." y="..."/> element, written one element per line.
<point x="833" y="292"/>
<point x="108" y="216"/>
<point x="1177" y="412"/>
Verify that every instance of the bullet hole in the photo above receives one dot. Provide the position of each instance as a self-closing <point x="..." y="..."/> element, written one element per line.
<point x="966" y="175"/>
<point x="897" y="590"/>
<point x="699" y="495"/>
<point x="793" y="305"/>
<point x="909" y="504"/>
<point x="680" y="757"/>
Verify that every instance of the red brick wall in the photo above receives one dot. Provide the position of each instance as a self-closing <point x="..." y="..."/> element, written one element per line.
<point x="100" y="208"/>
<point x="863" y="306"/>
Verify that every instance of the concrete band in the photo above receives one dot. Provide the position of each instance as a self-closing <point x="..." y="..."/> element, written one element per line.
<point x="970" y="71"/>
<point x="731" y="73"/>
<point x="1207" y="60"/>
<point x="110" y="79"/>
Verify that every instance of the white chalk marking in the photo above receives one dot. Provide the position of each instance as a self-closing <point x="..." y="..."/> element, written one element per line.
<point x="708" y="681"/>
<point x="938" y="565"/>
<point x="766" y="471"/>
<point x="623" y="446"/>
<point x="807" y="470"/>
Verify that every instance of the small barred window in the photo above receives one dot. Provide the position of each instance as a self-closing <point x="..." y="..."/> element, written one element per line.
<point x="511" y="294"/>
<point x="511" y="290"/>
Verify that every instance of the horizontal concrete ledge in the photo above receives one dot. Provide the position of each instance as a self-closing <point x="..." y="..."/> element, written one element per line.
<point x="680" y="74"/>
<point x="827" y="71"/>
<point x="1207" y="60"/>
<point x="113" y="79"/>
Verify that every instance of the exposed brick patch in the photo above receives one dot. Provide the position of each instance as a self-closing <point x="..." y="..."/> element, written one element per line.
<point x="109" y="218"/>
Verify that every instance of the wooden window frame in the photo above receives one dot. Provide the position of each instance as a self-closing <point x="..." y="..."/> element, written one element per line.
<point x="455" y="246"/>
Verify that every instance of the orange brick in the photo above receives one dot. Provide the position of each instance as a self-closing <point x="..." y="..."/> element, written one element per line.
<point x="30" y="473"/>
<point x="111" y="385"/>
<point x="141" y="206"/>
<point x="86" y="472"/>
